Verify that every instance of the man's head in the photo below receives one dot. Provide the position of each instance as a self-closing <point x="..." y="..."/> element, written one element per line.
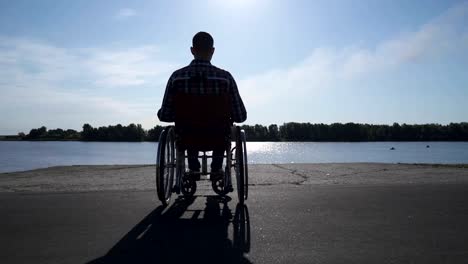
<point x="202" y="46"/>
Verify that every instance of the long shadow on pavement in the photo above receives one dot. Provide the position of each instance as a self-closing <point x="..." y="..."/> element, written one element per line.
<point x="167" y="236"/>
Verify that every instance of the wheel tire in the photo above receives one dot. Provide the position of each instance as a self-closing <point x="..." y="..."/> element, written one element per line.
<point x="218" y="187"/>
<point x="189" y="187"/>
<point x="246" y="165"/>
<point x="165" y="165"/>
<point x="240" y="172"/>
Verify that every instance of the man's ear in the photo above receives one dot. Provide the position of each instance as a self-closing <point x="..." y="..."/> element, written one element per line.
<point x="191" y="50"/>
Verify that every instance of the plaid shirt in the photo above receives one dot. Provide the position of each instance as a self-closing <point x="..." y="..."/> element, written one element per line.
<point x="218" y="81"/>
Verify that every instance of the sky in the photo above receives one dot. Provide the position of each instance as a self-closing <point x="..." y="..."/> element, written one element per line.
<point x="67" y="63"/>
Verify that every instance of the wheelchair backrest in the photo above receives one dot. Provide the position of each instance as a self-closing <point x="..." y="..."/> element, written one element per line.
<point x="202" y="121"/>
<point x="202" y="109"/>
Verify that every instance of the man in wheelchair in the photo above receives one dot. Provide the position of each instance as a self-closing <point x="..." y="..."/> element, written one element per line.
<point x="204" y="102"/>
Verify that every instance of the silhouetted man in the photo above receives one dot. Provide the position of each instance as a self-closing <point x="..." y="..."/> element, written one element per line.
<point x="202" y="50"/>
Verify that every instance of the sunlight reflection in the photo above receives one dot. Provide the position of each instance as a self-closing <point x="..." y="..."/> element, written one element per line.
<point x="259" y="147"/>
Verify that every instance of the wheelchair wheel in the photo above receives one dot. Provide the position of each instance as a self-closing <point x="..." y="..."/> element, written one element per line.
<point x="241" y="165"/>
<point x="219" y="186"/>
<point x="189" y="186"/>
<point x="246" y="165"/>
<point x="165" y="165"/>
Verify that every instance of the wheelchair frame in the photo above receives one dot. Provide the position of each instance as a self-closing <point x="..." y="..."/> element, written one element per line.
<point x="173" y="177"/>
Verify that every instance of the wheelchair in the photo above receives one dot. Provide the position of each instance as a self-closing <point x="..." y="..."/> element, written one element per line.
<point x="203" y="123"/>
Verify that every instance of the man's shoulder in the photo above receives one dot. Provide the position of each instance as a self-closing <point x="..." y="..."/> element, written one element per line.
<point x="221" y="71"/>
<point x="189" y="69"/>
<point x="180" y="71"/>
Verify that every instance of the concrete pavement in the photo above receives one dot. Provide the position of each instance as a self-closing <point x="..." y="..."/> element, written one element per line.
<point x="423" y="222"/>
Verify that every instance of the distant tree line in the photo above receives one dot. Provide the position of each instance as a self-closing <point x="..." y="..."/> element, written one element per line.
<point x="131" y="132"/>
<point x="287" y="132"/>
<point x="357" y="132"/>
<point x="54" y="134"/>
<point x="118" y="132"/>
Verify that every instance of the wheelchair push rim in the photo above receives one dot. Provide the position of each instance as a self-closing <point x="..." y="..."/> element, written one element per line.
<point x="165" y="165"/>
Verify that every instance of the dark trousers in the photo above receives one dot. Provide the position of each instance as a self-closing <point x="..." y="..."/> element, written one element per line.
<point x="216" y="163"/>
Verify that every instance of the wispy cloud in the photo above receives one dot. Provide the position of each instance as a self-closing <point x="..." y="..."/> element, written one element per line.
<point x="72" y="86"/>
<point x="67" y="109"/>
<point x="125" y="13"/>
<point x="325" y="67"/>
<point x="33" y="61"/>
<point x="128" y="67"/>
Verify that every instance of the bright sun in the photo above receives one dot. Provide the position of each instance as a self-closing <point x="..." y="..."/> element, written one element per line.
<point x="236" y="3"/>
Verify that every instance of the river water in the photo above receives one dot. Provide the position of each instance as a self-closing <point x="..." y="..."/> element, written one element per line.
<point x="26" y="155"/>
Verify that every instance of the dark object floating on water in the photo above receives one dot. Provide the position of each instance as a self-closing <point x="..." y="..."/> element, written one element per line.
<point x="427" y="146"/>
<point x="392" y="148"/>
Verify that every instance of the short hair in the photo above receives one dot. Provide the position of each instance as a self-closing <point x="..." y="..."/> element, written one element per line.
<point x="202" y="41"/>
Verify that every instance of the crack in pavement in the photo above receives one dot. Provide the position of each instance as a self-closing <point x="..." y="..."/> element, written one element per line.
<point x="263" y="184"/>
<point x="293" y="172"/>
<point x="304" y="176"/>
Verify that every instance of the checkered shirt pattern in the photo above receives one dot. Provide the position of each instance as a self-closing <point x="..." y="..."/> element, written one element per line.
<point x="216" y="81"/>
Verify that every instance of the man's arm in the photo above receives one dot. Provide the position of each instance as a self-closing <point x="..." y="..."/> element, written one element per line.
<point x="166" y="113"/>
<point x="238" y="112"/>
